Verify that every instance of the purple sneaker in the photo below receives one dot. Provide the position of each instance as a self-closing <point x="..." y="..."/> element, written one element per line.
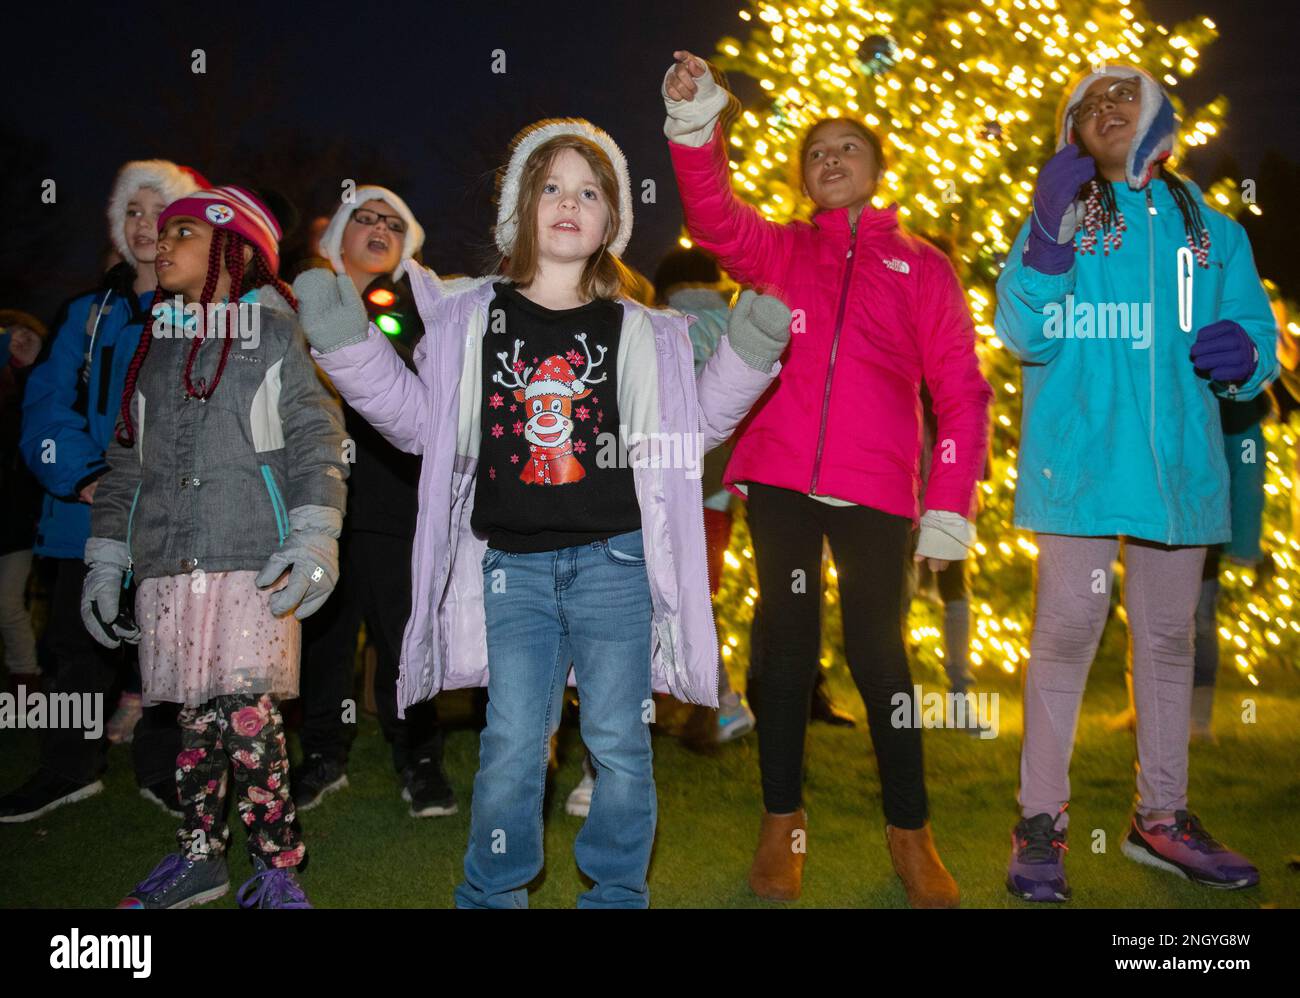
<point x="1185" y="848"/>
<point x="272" y="887"/>
<point x="180" y="882"/>
<point x="1037" y="868"/>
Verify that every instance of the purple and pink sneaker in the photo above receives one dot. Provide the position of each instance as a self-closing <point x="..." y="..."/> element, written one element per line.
<point x="1037" y="868"/>
<point x="1185" y="848"/>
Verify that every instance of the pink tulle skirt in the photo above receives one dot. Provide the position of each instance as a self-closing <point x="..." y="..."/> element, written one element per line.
<point x="221" y="640"/>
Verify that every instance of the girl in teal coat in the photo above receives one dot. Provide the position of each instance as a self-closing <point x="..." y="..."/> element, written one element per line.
<point x="1134" y="308"/>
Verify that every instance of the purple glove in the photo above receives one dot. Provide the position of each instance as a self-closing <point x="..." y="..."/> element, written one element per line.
<point x="1050" y="247"/>
<point x="1224" y="351"/>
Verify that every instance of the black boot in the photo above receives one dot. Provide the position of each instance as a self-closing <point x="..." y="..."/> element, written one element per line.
<point x="824" y="709"/>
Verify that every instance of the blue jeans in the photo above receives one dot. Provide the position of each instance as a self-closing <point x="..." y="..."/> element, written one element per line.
<point x="588" y="605"/>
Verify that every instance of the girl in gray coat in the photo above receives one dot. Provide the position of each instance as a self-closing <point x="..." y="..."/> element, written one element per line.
<point x="203" y="485"/>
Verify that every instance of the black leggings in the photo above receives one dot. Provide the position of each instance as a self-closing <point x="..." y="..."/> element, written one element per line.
<point x="871" y="549"/>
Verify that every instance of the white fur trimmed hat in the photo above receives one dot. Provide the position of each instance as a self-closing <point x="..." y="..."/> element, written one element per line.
<point x="161" y="175"/>
<point x="525" y="143"/>
<point x="1157" y="125"/>
<point x="331" y="243"/>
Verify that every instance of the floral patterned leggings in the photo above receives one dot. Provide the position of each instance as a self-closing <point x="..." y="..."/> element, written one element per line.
<point x="243" y="731"/>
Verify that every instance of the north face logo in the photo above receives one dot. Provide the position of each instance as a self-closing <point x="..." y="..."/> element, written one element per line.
<point x="893" y="263"/>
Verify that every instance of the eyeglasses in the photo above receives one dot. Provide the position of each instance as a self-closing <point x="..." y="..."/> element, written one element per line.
<point x="394" y="222"/>
<point x="1120" y="92"/>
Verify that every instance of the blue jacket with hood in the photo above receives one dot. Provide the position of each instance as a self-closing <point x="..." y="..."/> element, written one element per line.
<point x="71" y="408"/>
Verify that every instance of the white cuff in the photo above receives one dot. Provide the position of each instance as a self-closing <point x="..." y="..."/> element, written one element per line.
<point x="690" y="122"/>
<point x="945" y="535"/>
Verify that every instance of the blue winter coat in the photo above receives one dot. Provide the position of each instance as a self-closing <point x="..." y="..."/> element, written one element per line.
<point x="1119" y="434"/>
<point x="71" y="408"/>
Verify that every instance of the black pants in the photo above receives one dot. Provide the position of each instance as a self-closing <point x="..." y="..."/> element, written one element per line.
<point x="870" y="550"/>
<point x="81" y="665"/>
<point x="374" y="586"/>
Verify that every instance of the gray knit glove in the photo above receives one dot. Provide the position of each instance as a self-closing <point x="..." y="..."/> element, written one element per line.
<point x="330" y="309"/>
<point x="102" y="612"/>
<point x="758" y="329"/>
<point x="311" y="553"/>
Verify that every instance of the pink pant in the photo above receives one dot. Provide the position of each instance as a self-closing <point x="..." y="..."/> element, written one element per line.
<point x="1160" y="592"/>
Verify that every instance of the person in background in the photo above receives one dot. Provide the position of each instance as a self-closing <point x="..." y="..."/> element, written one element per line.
<point x="952" y="588"/>
<point x="21" y="339"/>
<point x="1243" y="447"/>
<point x="69" y="410"/>
<point x="371" y="239"/>
<point x="690" y="281"/>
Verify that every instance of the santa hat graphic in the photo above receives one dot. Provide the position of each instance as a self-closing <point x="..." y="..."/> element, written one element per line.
<point x="555" y="376"/>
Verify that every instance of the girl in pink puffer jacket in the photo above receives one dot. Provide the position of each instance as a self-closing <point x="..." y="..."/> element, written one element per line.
<point x="832" y="448"/>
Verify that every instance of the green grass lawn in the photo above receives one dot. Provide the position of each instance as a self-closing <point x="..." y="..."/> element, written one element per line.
<point x="366" y="851"/>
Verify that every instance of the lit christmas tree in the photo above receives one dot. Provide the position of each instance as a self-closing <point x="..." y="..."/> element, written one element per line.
<point x="965" y="99"/>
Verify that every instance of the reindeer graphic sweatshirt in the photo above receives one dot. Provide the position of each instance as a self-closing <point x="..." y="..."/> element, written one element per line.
<point x="549" y="474"/>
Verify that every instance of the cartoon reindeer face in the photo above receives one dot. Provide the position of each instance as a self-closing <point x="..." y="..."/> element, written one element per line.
<point x="550" y="417"/>
<point x="549" y="393"/>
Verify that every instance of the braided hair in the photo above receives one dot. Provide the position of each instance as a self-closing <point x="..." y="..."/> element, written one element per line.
<point x="1101" y="216"/>
<point x="227" y="247"/>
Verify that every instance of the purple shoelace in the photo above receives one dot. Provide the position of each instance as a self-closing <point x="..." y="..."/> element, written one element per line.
<point x="272" y="888"/>
<point x="164" y="874"/>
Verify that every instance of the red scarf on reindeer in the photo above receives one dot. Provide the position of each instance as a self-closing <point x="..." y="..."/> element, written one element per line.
<point x="546" y="465"/>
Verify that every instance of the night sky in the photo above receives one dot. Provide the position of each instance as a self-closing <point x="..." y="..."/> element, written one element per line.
<point x="405" y="93"/>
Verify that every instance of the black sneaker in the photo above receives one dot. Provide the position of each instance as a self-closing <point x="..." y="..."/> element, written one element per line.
<point x="314" y="778"/>
<point x="428" y="791"/>
<point x="164" y="794"/>
<point x="42" y="794"/>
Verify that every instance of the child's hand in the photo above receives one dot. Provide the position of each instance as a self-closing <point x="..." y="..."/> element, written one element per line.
<point x="106" y="620"/>
<point x="330" y="309"/>
<point x="1058" y="185"/>
<point x="311" y="553"/>
<point x="1224" y="351"/>
<point x="694" y="101"/>
<point x="758" y="329"/>
<point x="680" y="83"/>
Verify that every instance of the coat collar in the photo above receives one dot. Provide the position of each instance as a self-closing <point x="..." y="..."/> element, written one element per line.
<point x="872" y="219"/>
<point x="1161" y="196"/>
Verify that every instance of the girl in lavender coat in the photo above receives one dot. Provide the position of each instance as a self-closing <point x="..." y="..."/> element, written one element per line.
<point x="561" y="523"/>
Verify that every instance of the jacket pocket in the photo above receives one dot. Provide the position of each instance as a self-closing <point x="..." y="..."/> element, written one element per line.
<point x="277" y="503"/>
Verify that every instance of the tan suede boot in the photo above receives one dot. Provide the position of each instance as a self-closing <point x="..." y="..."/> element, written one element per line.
<point x="777" y="871"/>
<point x="918" y="866"/>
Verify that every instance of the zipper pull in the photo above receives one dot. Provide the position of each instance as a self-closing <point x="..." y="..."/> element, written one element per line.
<point x="1151" y="208"/>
